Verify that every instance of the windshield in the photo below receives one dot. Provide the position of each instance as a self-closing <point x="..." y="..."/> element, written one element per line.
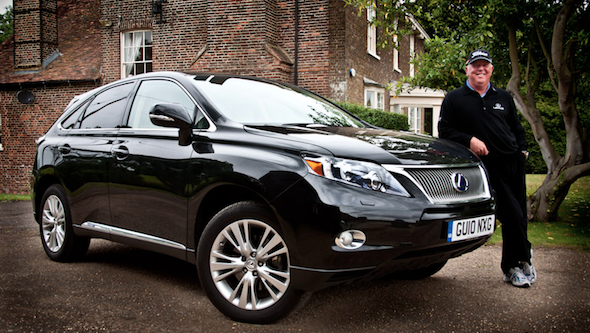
<point x="253" y="102"/>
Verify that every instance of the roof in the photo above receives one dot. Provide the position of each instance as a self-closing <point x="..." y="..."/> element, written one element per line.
<point x="79" y="53"/>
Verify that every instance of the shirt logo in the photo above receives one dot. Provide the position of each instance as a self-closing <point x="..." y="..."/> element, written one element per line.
<point x="498" y="106"/>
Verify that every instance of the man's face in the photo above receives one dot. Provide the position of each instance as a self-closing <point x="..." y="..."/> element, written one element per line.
<point x="479" y="73"/>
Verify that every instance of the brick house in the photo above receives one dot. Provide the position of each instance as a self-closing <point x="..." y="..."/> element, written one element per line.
<point x="63" y="48"/>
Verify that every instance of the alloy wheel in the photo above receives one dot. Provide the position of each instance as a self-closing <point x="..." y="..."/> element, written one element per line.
<point x="54" y="223"/>
<point x="249" y="264"/>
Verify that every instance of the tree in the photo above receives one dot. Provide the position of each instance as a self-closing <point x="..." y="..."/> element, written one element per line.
<point x="6" y="24"/>
<point x="534" y="43"/>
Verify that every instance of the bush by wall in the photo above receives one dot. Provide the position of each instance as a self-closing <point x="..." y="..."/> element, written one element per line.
<point x="388" y="120"/>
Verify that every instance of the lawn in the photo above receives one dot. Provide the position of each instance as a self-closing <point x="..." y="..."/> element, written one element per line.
<point x="573" y="226"/>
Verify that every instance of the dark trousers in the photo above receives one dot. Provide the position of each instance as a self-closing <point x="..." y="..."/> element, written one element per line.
<point x="507" y="178"/>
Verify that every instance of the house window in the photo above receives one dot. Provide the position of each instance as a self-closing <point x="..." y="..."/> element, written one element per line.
<point x="371" y="33"/>
<point x="414" y="117"/>
<point x="136" y="57"/>
<point x="374" y="98"/>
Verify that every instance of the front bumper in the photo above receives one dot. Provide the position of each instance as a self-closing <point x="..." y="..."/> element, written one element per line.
<point x="402" y="234"/>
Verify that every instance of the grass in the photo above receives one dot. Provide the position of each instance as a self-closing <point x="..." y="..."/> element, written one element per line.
<point x="14" y="197"/>
<point x="573" y="226"/>
<point x="571" y="230"/>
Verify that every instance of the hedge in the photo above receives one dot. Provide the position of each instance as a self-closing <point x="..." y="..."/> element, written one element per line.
<point x="379" y="118"/>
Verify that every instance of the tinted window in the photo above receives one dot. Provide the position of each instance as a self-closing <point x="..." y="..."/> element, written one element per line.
<point x="107" y="108"/>
<point x="151" y="93"/>
<point x="73" y="120"/>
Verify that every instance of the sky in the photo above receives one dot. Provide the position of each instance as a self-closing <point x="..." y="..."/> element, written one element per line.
<point x="4" y="4"/>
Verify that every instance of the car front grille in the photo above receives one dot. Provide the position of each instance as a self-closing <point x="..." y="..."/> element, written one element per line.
<point x="437" y="182"/>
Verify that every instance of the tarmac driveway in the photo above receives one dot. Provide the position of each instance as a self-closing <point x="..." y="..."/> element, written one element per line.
<point x="121" y="289"/>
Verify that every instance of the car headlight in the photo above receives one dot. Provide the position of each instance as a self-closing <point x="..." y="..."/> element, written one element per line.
<point x="364" y="174"/>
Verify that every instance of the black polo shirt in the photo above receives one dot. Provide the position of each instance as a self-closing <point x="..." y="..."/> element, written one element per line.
<point x="492" y="119"/>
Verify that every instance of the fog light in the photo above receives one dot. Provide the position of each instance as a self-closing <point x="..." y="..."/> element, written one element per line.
<point x="350" y="239"/>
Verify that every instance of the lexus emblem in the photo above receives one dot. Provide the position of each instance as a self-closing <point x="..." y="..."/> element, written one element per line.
<point x="460" y="183"/>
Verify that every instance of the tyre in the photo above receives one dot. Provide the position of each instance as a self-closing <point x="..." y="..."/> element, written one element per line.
<point x="55" y="227"/>
<point x="421" y="273"/>
<point x="244" y="266"/>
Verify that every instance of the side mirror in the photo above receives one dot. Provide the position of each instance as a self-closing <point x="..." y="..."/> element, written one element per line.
<point x="173" y="115"/>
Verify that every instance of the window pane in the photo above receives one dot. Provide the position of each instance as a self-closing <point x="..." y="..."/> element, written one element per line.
<point x="107" y="108"/>
<point x="128" y="39"/>
<point x="148" y="38"/>
<point x="151" y="93"/>
<point x="72" y="121"/>
<point x="148" y="53"/>
<point x="369" y="98"/>
<point x="140" y="68"/>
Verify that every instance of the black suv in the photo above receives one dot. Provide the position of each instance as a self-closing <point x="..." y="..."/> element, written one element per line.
<point x="268" y="188"/>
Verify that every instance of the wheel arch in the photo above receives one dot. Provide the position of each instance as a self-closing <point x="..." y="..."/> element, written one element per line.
<point x="215" y="200"/>
<point x="38" y="189"/>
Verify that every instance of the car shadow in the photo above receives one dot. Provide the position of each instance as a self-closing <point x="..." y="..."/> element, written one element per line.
<point x="150" y="264"/>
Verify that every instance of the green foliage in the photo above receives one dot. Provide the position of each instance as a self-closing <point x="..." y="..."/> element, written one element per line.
<point x="379" y="118"/>
<point x="6" y="24"/>
<point x="441" y="66"/>
<point x="14" y="197"/>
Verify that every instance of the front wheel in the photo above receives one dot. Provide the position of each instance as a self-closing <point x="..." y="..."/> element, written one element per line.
<point x="243" y="265"/>
<point x="55" y="227"/>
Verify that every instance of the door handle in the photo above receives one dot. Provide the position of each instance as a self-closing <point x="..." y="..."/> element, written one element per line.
<point x="121" y="152"/>
<point x="65" y="149"/>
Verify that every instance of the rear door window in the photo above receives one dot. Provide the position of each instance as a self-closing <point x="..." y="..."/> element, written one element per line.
<point x="107" y="109"/>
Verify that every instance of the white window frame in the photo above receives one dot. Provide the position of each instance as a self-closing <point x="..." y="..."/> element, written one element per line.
<point x="375" y="94"/>
<point x="415" y="118"/>
<point x="372" y="33"/>
<point x="396" y="50"/>
<point x="129" y="62"/>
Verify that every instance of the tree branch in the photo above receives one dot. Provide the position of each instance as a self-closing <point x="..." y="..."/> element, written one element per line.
<point x="550" y="69"/>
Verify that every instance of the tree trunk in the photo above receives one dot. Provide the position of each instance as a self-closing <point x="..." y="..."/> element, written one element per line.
<point x="543" y="205"/>
<point x="562" y="171"/>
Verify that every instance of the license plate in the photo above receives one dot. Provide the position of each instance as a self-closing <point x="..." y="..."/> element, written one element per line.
<point x="471" y="228"/>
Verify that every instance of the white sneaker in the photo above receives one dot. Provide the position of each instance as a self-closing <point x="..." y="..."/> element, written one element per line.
<point x="530" y="272"/>
<point x="517" y="278"/>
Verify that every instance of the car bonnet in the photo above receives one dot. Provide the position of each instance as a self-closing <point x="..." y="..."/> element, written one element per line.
<point x="378" y="145"/>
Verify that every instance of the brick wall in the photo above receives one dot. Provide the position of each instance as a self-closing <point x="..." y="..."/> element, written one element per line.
<point x="22" y="124"/>
<point x="251" y="37"/>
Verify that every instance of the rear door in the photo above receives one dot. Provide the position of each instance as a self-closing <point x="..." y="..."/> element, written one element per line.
<point x="85" y="152"/>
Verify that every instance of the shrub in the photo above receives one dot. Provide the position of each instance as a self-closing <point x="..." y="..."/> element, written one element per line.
<point x="379" y="118"/>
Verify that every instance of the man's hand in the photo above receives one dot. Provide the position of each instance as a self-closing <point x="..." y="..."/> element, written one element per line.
<point x="478" y="147"/>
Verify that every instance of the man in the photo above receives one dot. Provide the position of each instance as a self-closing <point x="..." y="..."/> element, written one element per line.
<point x="483" y="118"/>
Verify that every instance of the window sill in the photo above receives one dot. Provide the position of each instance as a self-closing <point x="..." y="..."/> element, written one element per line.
<point x="374" y="55"/>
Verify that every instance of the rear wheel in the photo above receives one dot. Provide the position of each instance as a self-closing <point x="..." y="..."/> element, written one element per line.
<point x="55" y="227"/>
<point x="243" y="265"/>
